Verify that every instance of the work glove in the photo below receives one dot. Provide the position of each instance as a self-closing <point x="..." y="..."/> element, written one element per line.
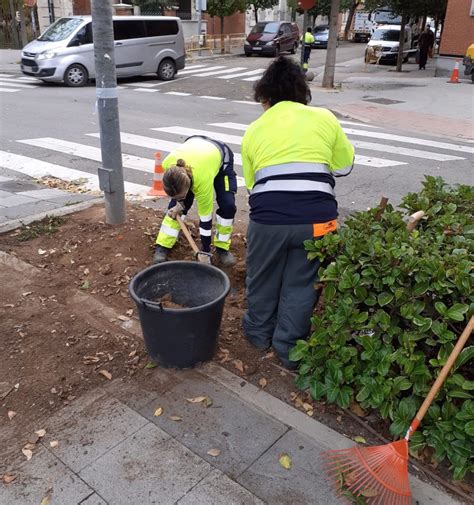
<point x="175" y="211"/>
<point x="204" y="257"/>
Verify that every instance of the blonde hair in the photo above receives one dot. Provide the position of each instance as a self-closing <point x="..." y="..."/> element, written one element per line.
<point x="177" y="178"/>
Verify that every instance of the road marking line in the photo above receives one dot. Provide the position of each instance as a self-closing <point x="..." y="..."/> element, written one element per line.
<point x="211" y="97"/>
<point x="241" y="74"/>
<point x="141" y="84"/>
<point x="245" y="102"/>
<point x="6" y="75"/>
<point x="404" y="151"/>
<point x="410" y="140"/>
<point x="192" y="67"/>
<point x="177" y="93"/>
<point x="226" y="71"/>
<point x="5" y="90"/>
<point x="243" y="127"/>
<point x="184" y="72"/>
<point x="256" y="78"/>
<point x="38" y="168"/>
<point x="362" y="125"/>
<point x="88" y="152"/>
<point x="146" y="90"/>
<point x="4" y="82"/>
<point x="28" y="79"/>
<point x="369" y="161"/>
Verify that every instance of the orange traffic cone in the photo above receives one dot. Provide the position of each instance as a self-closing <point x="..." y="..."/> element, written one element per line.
<point x="455" y="74"/>
<point x="157" y="186"/>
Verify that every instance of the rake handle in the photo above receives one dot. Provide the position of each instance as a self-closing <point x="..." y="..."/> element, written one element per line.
<point x="187" y="234"/>
<point x="441" y="378"/>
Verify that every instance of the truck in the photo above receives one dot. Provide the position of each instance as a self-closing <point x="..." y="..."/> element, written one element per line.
<point x="361" y="27"/>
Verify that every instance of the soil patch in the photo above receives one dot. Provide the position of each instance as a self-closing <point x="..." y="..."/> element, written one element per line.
<point x="166" y="301"/>
<point x="63" y="324"/>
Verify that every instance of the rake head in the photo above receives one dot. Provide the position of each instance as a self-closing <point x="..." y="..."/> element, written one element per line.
<point x="377" y="474"/>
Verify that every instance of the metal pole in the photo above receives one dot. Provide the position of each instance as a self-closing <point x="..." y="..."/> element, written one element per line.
<point x="111" y="171"/>
<point x="303" y="43"/>
<point x="199" y="13"/>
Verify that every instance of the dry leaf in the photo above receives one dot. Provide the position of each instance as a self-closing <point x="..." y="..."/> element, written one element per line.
<point x="239" y="365"/>
<point x="339" y="419"/>
<point x="11" y="414"/>
<point x="29" y="446"/>
<point x="369" y="493"/>
<point x="285" y="461"/>
<point x="307" y="406"/>
<point x="150" y="364"/>
<point x="41" y="433"/>
<point x="106" y="374"/>
<point x="54" y="444"/>
<point x="357" y="409"/>
<point x="176" y="418"/>
<point x="47" y="498"/>
<point x="8" y="478"/>
<point x="132" y="354"/>
<point x="310" y="413"/>
<point x="214" y="452"/>
<point x="263" y="382"/>
<point x="28" y="453"/>
<point x="360" y="440"/>
<point x="197" y="399"/>
<point x="208" y="402"/>
<point x="158" y="412"/>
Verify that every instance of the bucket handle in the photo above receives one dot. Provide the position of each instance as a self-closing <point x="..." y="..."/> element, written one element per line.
<point x="152" y="305"/>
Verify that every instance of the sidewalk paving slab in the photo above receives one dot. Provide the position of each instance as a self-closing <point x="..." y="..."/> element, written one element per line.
<point x="93" y="499"/>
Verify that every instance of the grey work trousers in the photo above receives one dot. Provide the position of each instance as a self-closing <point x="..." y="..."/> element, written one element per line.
<point x="280" y="286"/>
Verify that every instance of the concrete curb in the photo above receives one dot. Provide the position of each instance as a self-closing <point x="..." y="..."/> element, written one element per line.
<point x="61" y="211"/>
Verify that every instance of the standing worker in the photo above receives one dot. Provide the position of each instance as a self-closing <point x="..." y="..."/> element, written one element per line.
<point x="425" y="45"/>
<point x="290" y="175"/>
<point x="307" y="40"/>
<point x="197" y="168"/>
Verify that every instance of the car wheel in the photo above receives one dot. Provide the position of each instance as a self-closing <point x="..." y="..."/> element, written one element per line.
<point x="166" y="70"/>
<point x="248" y="54"/>
<point x="76" y="76"/>
<point x="294" y="48"/>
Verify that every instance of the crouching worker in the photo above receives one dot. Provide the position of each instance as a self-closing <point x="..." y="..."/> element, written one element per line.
<point x="197" y="169"/>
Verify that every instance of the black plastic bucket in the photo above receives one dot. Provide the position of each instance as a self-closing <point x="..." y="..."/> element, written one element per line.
<point x="180" y="338"/>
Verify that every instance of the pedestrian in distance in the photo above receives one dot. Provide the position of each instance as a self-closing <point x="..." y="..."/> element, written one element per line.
<point x="307" y="40"/>
<point x="197" y="169"/>
<point x="289" y="173"/>
<point x="425" y="45"/>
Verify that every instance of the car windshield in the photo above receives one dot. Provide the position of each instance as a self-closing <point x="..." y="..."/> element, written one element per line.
<point x="321" y="29"/>
<point x="61" y="29"/>
<point x="265" y="28"/>
<point x="389" y="35"/>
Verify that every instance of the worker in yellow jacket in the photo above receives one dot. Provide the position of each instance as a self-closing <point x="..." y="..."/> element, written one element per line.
<point x="289" y="173"/>
<point x="307" y="40"/>
<point x="197" y="169"/>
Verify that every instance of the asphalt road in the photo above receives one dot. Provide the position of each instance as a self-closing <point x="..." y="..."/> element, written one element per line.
<point x="49" y="128"/>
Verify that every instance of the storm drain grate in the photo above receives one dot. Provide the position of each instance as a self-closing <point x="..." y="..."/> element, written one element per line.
<point x="383" y="101"/>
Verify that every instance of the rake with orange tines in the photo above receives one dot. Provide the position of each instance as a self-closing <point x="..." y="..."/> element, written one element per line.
<point x="380" y="474"/>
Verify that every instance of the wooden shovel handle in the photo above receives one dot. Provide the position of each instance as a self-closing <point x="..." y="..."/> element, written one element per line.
<point x="414" y="219"/>
<point x="187" y="234"/>
<point x="441" y="377"/>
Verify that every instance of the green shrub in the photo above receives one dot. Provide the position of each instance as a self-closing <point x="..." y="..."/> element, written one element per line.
<point x="394" y="306"/>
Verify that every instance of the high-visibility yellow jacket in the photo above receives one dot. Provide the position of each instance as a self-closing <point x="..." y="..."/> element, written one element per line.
<point x="308" y="38"/>
<point x="205" y="160"/>
<point x="290" y="132"/>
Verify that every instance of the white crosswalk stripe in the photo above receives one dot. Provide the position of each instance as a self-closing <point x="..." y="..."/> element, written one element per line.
<point x="15" y="84"/>
<point x="244" y="74"/>
<point x="198" y="70"/>
<point x="9" y="90"/>
<point x="219" y="72"/>
<point x="140" y="168"/>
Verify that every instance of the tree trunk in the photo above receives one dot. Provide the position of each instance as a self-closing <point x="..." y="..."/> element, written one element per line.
<point x="401" y="42"/>
<point x="24" y="36"/>
<point x="222" y="36"/>
<point x="255" y="11"/>
<point x="13" y="25"/>
<point x="293" y="14"/>
<point x="423" y="23"/>
<point x="352" y="10"/>
<point x="330" y="65"/>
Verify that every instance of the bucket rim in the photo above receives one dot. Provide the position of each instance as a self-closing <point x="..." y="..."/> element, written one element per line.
<point x="156" y="306"/>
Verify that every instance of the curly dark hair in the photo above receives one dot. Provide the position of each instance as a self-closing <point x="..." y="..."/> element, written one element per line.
<point x="282" y="81"/>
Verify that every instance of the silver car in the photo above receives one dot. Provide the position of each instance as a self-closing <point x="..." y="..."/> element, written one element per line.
<point x="143" y="45"/>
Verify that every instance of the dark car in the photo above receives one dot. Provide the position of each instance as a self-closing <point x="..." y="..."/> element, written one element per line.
<point x="321" y="35"/>
<point x="272" y="37"/>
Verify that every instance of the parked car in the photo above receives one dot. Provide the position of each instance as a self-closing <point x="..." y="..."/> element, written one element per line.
<point x="321" y="36"/>
<point x="383" y="46"/>
<point x="143" y="45"/>
<point x="271" y="38"/>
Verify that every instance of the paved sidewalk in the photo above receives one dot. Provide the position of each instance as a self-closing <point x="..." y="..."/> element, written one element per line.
<point x="23" y="201"/>
<point x="113" y="450"/>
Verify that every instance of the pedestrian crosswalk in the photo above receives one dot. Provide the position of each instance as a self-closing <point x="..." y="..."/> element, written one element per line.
<point x="14" y="83"/>
<point x="78" y="158"/>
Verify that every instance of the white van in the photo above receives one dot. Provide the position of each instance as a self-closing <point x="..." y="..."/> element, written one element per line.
<point x="384" y="43"/>
<point x="143" y="45"/>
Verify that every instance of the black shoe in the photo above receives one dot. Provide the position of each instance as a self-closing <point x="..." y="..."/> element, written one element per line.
<point x="226" y="258"/>
<point x="161" y="254"/>
<point x="290" y="365"/>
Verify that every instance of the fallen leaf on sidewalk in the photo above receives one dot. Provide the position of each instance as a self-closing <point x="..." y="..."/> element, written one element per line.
<point x="158" y="412"/>
<point x="239" y="365"/>
<point x="106" y="374"/>
<point x="41" y="433"/>
<point x="47" y="497"/>
<point x="214" y="452"/>
<point x="285" y="461"/>
<point x="29" y="446"/>
<point x="28" y="453"/>
<point x="8" y="478"/>
<point x="176" y="418"/>
<point x="360" y="440"/>
<point x="150" y="364"/>
<point x="11" y="414"/>
<point x="263" y="382"/>
<point x="53" y="444"/>
<point x="357" y="409"/>
<point x="197" y="399"/>
<point x="208" y="402"/>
